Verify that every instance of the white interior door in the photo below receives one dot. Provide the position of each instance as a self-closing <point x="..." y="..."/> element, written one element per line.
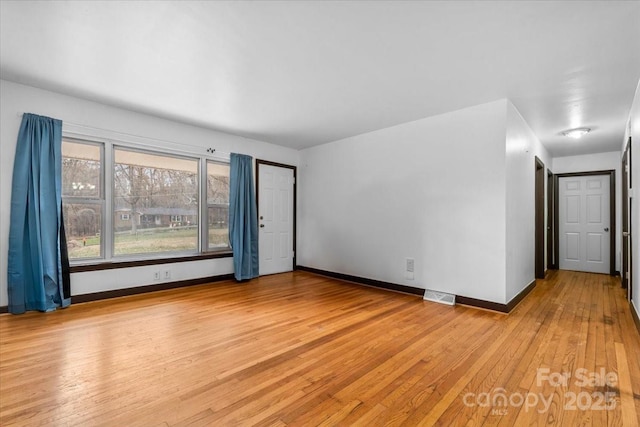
<point x="275" y="219"/>
<point x="584" y="223"/>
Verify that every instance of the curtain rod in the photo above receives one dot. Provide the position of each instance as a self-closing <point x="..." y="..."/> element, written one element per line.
<point x="209" y="150"/>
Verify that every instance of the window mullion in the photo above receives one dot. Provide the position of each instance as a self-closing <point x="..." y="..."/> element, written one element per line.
<point x="107" y="241"/>
<point x="203" y="221"/>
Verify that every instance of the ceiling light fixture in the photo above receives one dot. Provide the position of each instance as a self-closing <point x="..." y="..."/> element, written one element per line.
<point x="576" y="133"/>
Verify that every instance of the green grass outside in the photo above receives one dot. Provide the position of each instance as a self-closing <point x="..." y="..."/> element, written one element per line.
<point x="145" y="241"/>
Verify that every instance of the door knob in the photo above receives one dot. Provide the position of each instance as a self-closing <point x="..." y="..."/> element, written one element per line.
<point x="261" y="225"/>
<point x="606" y="229"/>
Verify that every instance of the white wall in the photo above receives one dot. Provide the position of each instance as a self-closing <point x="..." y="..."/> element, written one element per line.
<point x="598" y="162"/>
<point x="588" y="162"/>
<point x="522" y="147"/>
<point x="432" y="190"/>
<point x="633" y="130"/>
<point x="17" y="99"/>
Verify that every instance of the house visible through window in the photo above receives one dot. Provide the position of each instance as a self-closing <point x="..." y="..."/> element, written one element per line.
<point x="148" y="184"/>
<point x="151" y="206"/>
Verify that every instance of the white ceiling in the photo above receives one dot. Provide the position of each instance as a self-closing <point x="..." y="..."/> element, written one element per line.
<point x="305" y="73"/>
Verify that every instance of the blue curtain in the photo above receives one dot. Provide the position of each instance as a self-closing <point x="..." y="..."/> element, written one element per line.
<point x="243" y="218"/>
<point x="38" y="266"/>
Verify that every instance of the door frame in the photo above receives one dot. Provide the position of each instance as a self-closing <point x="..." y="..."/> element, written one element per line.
<point x="612" y="212"/>
<point x="295" y="198"/>
<point x="551" y="262"/>
<point x="539" y="219"/>
<point x="626" y="263"/>
<point x="624" y="241"/>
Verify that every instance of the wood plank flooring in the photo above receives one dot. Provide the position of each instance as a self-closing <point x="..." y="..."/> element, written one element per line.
<point x="298" y="349"/>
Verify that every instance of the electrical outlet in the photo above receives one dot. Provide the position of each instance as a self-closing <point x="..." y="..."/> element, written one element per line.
<point x="167" y="274"/>
<point x="409" y="264"/>
<point x="156" y="275"/>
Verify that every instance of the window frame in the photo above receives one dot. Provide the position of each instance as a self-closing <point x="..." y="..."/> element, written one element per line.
<point x="86" y="200"/>
<point x="204" y="211"/>
<point x="153" y="152"/>
<point x="108" y="259"/>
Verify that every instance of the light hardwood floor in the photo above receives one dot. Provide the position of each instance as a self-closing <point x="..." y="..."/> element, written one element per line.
<point x="304" y="350"/>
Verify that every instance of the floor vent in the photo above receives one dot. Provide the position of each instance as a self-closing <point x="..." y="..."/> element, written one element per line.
<point x="441" y="297"/>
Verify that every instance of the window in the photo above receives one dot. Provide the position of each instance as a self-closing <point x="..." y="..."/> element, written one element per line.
<point x="151" y="206"/>
<point x="218" y="205"/>
<point x="152" y="184"/>
<point x="82" y="198"/>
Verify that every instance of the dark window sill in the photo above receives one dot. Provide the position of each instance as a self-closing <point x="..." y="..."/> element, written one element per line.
<point x="97" y="266"/>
